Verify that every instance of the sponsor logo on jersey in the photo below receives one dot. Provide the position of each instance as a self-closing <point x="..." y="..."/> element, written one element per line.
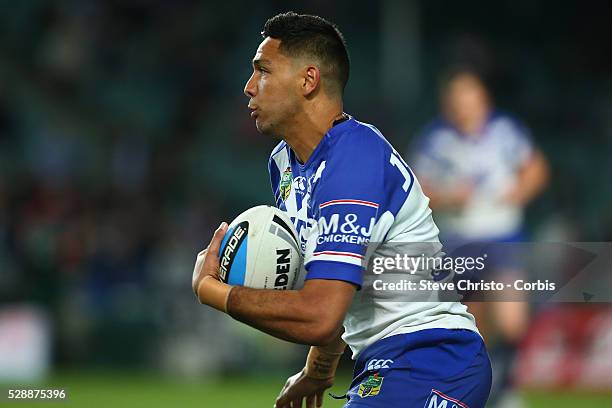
<point x="228" y="252"/>
<point x="377" y="364"/>
<point x="345" y="229"/>
<point x="438" y="400"/>
<point x="285" y="184"/>
<point x="371" y="386"/>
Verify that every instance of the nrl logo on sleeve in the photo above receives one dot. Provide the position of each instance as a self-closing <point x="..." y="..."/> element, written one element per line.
<point x="285" y="184"/>
<point x="438" y="400"/>
<point x="371" y="386"/>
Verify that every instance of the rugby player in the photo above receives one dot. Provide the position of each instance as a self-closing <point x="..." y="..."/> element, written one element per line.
<point x="330" y="169"/>
<point x="481" y="168"/>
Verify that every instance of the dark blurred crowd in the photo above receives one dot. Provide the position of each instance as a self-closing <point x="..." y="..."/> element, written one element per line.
<point x="107" y="137"/>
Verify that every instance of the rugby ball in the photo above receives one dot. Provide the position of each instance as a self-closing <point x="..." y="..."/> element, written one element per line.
<point x="261" y="250"/>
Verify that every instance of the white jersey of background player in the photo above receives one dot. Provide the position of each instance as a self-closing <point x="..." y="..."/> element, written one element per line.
<point x="478" y="165"/>
<point x="489" y="165"/>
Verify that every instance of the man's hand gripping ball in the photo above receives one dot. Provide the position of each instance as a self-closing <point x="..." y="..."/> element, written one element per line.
<point x="205" y="280"/>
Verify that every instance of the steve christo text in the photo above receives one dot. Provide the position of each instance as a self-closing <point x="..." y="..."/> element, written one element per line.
<point x="464" y="285"/>
<point x="460" y="265"/>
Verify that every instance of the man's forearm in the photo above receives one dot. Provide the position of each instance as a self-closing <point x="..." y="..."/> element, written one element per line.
<point x="286" y="314"/>
<point x="312" y="315"/>
<point x="322" y="361"/>
<point x="533" y="178"/>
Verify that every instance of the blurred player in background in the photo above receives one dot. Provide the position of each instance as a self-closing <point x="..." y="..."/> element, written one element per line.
<point x="331" y="170"/>
<point x="480" y="169"/>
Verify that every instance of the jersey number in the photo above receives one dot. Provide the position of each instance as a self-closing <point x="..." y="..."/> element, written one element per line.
<point x="401" y="165"/>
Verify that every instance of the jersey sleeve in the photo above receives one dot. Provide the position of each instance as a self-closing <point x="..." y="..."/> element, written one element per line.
<point x="348" y="197"/>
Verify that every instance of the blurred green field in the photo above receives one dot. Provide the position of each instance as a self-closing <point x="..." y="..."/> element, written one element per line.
<point x="93" y="390"/>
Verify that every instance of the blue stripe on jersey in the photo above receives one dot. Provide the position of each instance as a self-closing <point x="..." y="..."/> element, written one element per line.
<point x="336" y="271"/>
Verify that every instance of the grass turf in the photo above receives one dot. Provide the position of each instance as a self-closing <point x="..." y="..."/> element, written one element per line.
<point x="94" y="389"/>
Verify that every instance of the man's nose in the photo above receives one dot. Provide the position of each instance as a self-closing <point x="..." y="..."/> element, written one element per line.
<point x="249" y="87"/>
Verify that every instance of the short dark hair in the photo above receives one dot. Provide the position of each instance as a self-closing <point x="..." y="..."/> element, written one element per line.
<point x="459" y="70"/>
<point x="304" y="34"/>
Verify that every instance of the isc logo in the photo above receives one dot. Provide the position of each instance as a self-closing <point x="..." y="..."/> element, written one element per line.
<point x="438" y="400"/>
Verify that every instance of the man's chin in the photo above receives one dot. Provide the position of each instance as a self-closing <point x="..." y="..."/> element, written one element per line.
<point x="259" y="126"/>
<point x="264" y="129"/>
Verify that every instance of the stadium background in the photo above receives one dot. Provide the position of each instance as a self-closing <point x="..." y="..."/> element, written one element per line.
<point x="125" y="140"/>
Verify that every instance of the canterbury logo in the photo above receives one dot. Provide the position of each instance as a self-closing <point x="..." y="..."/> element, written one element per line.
<point x="378" y="364"/>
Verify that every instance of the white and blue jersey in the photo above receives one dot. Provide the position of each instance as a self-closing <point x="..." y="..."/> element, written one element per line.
<point x="356" y="189"/>
<point x="489" y="161"/>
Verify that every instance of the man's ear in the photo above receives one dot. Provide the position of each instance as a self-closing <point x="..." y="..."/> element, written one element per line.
<point x="312" y="80"/>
